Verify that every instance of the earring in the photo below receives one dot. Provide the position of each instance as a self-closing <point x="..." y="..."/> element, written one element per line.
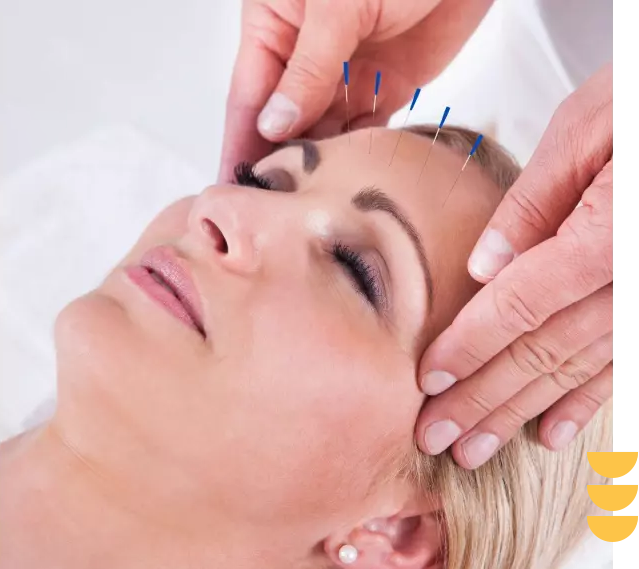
<point x="347" y="554"/>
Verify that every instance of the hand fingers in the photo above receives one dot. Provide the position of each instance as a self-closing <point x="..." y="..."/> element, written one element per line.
<point x="542" y="350"/>
<point x="535" y="354"/>
<point x="258" y="68"/>
<point x="314" y="71"/>
<point x="481" y="442"/>
<point x="543" y="281"/>
<point x="574" y="148"/>
<point x="574" y="411"/>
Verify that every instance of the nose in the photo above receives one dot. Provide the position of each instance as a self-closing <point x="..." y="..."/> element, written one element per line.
<point x="229" y="223"/>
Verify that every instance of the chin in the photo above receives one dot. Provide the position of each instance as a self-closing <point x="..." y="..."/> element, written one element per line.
<point x="92" y="335"/>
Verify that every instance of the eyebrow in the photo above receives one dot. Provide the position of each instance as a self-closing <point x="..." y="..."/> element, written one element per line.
<point x="370" y="199"/>
<point x="373" y="199"/>
<point x="311" y="155"/>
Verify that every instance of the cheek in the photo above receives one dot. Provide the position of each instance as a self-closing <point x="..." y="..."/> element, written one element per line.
<point x="325" y="404"/>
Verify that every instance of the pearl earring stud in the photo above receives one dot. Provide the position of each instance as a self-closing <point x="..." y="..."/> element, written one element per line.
<point x="348" y="554"/>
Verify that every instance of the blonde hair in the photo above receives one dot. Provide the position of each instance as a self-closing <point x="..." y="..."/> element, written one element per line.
<point x="527" y="507"/>
<point x="497" y="163"/>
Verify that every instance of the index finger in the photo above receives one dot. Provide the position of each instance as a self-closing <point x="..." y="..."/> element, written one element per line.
<point x="255" y="75"/>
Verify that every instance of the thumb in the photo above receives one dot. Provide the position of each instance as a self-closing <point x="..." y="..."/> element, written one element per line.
<point x="574" y="149"/>
<point x="313" y="72"/>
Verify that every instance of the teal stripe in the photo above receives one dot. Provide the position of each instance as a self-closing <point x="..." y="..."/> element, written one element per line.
<point x="618" y="418"/>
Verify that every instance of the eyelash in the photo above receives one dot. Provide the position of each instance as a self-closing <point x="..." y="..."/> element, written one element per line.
<point x="362" y="274"/>
<point x="245" y="175"/>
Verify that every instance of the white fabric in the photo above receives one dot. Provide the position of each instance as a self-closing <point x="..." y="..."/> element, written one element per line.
<point x="592" y="553"/>
<point x="581" y="34"/>
<point x="65" y="220"/>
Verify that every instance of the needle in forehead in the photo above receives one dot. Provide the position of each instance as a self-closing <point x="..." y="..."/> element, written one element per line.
<point x="378" y="80"/>
<point x="348" y="121"/>
<point x="430" y="149"/>
<point x="417" y="91"/>
<point x="470" y="155"/>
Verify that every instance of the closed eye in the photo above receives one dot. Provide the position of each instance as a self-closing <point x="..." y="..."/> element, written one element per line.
<point x="245" y="175"/>
<point x="364" y="277"/>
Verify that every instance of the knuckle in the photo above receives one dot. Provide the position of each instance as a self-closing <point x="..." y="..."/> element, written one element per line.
<point x="367" y="17"/>
<point x="592" y="275"/>
<point x="573" y="374"/>
<point x="589" y="238"/>
<point x="265" y="27"/>
<point x="514" y="416"/>
<point x="479" y="403"/>
<point x="263" y="37"/>
<point x="469" y="354"/>
<point x="305" y="70"/>
<point x="514" y="312"/>
<point x="533" y="357"/>
<point x="590" y="400"/>
<point x="526" y="212"/>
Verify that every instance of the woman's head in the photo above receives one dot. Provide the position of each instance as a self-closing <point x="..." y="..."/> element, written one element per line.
<point x="318" y="284"/>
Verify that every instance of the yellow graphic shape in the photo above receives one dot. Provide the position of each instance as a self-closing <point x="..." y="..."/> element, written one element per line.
<point x="620" y="498"/>
<point x="612" y="498"/>
<point x="615" y="529"/>
<point x="612" y="464"/>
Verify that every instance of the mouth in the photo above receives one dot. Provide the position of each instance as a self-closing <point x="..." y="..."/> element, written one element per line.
<point x="164" y="277"/>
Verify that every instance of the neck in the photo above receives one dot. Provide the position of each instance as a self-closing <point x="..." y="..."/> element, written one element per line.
<point x="60" y="510"/>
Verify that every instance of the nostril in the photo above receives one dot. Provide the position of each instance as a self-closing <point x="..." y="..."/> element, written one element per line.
<point x="213" y="231"/>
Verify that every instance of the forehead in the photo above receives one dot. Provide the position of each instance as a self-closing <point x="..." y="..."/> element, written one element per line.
<point x="424" y="193"/>
<point x="448" y="223"/>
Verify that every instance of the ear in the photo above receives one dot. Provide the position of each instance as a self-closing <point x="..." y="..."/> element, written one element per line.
<point x="413" y="538"/>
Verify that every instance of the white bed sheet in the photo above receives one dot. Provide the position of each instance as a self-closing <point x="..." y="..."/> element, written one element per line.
<point x="65" y="220"/>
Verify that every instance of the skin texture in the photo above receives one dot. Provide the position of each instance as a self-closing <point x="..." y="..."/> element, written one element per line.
<point x="545" y="320"/>
<point x="282" y="429"/>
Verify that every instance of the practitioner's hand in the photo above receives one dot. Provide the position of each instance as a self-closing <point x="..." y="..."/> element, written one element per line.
<point x="288" y="76"/>
<point x="538" y="337"/>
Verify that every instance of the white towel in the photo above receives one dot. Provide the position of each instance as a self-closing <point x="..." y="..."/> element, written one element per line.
<point x="65" y="220"/>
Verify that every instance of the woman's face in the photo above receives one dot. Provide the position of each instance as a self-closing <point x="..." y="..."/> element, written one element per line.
<point x="316" y="297"/>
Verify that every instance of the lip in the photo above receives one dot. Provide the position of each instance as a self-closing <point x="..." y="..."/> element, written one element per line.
<point x="183" y="299"/>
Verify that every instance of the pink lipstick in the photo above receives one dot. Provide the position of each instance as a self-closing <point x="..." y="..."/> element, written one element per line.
<point x="164" y="277"/>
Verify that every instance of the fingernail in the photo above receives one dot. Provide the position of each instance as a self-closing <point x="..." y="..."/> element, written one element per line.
<point x="562" y="434"/>
<point x="491" y="255"/>
<point x="480" y="448"/>
<point x="278" y="115"/>
<point x="434" y="382"/>
<point x="440" y="435"/>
